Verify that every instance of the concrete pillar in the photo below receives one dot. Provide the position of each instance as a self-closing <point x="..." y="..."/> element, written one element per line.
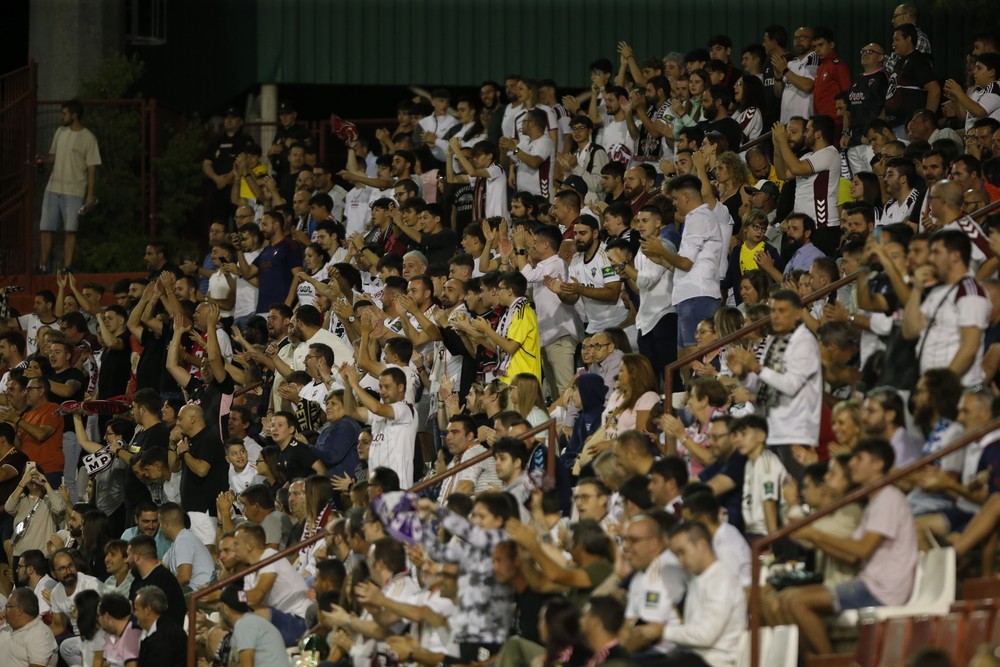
<point x="268" y="114"/>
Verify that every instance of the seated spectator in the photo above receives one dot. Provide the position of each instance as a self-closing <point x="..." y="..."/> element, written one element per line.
<point x="150" y="572"/>
<point x="24" y="639"/>
<point x="64" y="619"/>
<point x="883" y="415"/>
<point x="121" y="637"/>
<point x="701" y="505"/>
<point x="188" y="558"/>
<point x="725" y="475"/>
<point x="667" y="476"/>
<point x="885" y="543"/>
<point x="254" y="640"/>
<point x="763" y="477"/>
<point x="164" y="642"/>
<point x="602" y="622"/>
<point x="714" y="608"/>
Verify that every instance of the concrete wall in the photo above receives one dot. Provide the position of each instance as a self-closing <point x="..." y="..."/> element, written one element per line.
<point x="67" y="37"/>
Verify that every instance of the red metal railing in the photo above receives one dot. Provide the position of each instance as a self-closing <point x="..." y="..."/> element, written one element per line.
<point x="551" y="426"/>
<point x="328" y="148"/>
<point x="18" y="173"/>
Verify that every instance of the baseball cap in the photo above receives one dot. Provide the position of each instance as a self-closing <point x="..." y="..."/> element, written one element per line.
<point x="577" y="183"/>
<point x="767" y="187"/>
<point x="286" y="106"/>
<point x="234" y="112"/>
<point x="235" y="598"/>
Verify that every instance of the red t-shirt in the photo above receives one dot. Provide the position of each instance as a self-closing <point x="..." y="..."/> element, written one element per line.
<point x="48" y="453"/>
<point x="832" y="78"/>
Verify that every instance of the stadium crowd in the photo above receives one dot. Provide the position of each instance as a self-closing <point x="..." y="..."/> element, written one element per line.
<point x="489" y="265"/>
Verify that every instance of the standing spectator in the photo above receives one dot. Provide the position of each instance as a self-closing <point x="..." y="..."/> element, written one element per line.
<point x="715" y="105"/>
<point x="288" y="135"/>
<point x="795" y="79"/>
<point x="40" y="430"/>
<point x="904" y="14"/>
<point x="696" y="293"/>
<point x="67" y="383"/>
<point x="749" y="112"/>
<point x="775" y="43"/>
<point x="951" y="319"/>
<point x="885" y="544"/>
<point x="947" y="200"/>
<point x="197" y="453"/>
<point x="817" y="177"/>
<point x="535" y="155"/>
<point x="912" y="85"/>
<point x="865" y="101"/>
<point x="75" y="156"/>
<point x="900" y="181"/>
<point x="715" y="606"/>
<point x="336" y="445"/>
<point x="484" y="173"/>
<point x="25" y="641"/>
<point x="984" y="100"/>
<point x="43" y="315"/>
<point x="516" y="336"/>
<point x="164" y="642"/>
<point x="832" y="76"/>
<point x="393" y="420"/>
<point x="586" y="158"/>
<point x="656" y="318"/>
<point x="791" y="378"/>
<point x="273" y="267"/>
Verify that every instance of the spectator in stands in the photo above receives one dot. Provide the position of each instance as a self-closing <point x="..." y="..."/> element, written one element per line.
<point x="885" y="543"/>
<point x="64" y="618"/>
<point x="188" y="559"/>
<point x="253" y="637"/>
<point x="204" y="471"/>
<point x="790" y="376"/>
<point x="24" y="639"/>
<point x="728" y="543"/>
<point x="39" y="430"/>
<point x="883" y="416"/>
<point x="164" y="642"/>
<point x="714" y="607"/>
<point x="795" y="78"/>
<point x="950" y="321"/>
<point x="725" y="475"/>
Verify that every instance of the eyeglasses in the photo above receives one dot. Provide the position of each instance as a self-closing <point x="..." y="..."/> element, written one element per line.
<point x="579" y="128"/>
<point x="760" y="228"/>
<point x="868" y="52"/>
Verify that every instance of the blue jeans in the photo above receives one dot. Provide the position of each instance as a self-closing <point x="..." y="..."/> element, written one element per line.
<point x="71" y="454"/>
<point x="66" y="207"/>
<point x="689" y="313"/>
<point x="853" y="594"/>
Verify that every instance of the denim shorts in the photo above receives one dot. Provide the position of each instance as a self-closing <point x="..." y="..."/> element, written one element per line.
<point x="689" y="313"/>
<point x="853" y="594"/>
<point x="56" y="207"/>
<point x="957" y="519"/>
<point x="291" y="627"/>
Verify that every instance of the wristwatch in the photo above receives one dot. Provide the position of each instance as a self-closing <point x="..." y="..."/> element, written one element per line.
<point x="351" y="319"/>
<point x="850" y="319"/>
<point x="522" y="251"/>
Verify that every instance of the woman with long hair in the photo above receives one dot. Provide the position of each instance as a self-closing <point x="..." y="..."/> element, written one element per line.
<point x="97" y="532"/>
<point x="712" y="146"/>
<point x="39" y="367"/>
<point x="494" y="401"/>
<point x="319" y="507"/>
<point x="316" y="259"/>
<point x="708" y="398"/>
<point x="634" y="396"/>
<point x="845" y="421"/>
<point x="561" y="634"/>
<point x="749" y="106"/>
<point x="731" y="175"/>
<point x="690" y="113"/>
<point x="526" y="398"/>
<point x="106" y="469"/>
<point x="88" y="622"/>
<point x="866" y="187"/>
<point x="711" y="363"/>
<point x="168" y="412"/>
<point x="37" y="508"/>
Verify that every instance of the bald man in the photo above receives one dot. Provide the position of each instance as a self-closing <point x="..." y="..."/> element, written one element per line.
<point x="635" y="188"/>
<point x="197" y="453"/>
<point x="947" y="213"/>
<point x="974" y="199"/>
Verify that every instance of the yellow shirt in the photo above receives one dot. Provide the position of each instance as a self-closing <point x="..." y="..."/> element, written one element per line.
<point x="748" y="261"/>
<point x="773" y="177"/>
<point x="524" y="330"/>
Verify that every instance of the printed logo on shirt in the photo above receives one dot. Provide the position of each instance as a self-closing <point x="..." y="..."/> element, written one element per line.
<point x="607" y="271"/>
<point x="652" y="599"/>
<point x="768" y="487"/>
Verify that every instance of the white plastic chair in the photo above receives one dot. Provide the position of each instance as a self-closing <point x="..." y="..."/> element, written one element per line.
<point x="743" y="658"/>
<point x="933" y="590"/>
<point x="783" y="650"/>
<point x="850" y="618"/>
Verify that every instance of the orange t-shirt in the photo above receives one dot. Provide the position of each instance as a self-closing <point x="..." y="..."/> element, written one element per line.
<point x="48" y="453"/>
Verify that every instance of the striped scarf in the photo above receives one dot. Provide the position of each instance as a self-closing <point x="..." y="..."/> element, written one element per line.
<point x="768" y="396"/>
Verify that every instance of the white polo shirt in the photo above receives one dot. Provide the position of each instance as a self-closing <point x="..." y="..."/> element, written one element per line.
<point x="701" y="242"/>
<point x="392" y="441"/>
<point x="654" y="593"/>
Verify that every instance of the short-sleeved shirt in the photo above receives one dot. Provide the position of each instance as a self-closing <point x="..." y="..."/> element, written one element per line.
<point x="988" y="97"/>
<point x="906" y="92"/>
<point x="288" y="592"/>
<point x="889" y="571"/>
<point x="30" y="324"/>
<point x="189" y="550"/>
<point x="32" y="644"/>
<point x="795" y="102"/>
<point x="816" y="193"/>
<point x="215" y="399"/>
<point x="483" y="475"/>
<point x="392" y="441"/>
<point x="75" y="152"/>
<point x="952" y="308"/>
<point x="537" y="181"/>
<point x="15" y="460"/>
<point x="156" y="435"/>
<point x="47" y="454"/>
<point x="64" y="604"/>
<point x="274" y="272"/>
<point x="654" y="593"/>
<point x="489" y="194"/>
<point x="439" y="246"/>
<point x="865" y="101"/>
<point x="832" y="78"/>
<point x="762" y="481"/>
<point x="198" y="494"/>
<point x="224" y="149"/>
<point x="296" y="460"/>
<point x="63" y="377"/>
<point x="520" y="324"/>
<point x="255" y="634"/>
<point x="119" y="650"/>
<point x="597" y="273"/>
<point x="277" y="526"/>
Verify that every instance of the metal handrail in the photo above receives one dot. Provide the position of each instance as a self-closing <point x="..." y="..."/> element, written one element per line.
<point x="894" y="475"/>
<point x="755" y="142"/>
<point x="192" y="613"/>
<point x="722" y="342"/>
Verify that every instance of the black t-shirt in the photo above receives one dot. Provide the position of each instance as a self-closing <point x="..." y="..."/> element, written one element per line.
<point x="865" y="101"/>
<point x="300" y="134"/>
<point x="161" y="578"/>
<point x="15" y="459"/>
<point x="296" y="460"/>
<point x="527" y="605"/>
<point x="215" y="399"/>
<point x="63" y="377"/>
<point x="149" y="372"/>
<point x="462" y="199"/>
<point x="224" y="149"/>
<point x="440" y="246"/>
<point x="116" y="369"/>
<point x="198" y="494"/>
<point x="731" y="500"/>
<point x="156" y="435"/>
<point x="772" y="100"/>
<point x="906" y="93"/>
<point x="727" y="127"/>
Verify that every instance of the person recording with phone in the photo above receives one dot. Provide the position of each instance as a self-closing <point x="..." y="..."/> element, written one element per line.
<point x="106" y="468"/>
<point x="37" y="510"/>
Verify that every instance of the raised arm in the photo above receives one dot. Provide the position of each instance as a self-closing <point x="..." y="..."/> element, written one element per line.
<point x="181" y="376"/>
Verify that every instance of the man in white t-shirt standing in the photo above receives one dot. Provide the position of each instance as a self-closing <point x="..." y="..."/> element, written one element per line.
<point x="485" y="175"/>
<point x="696" y="293"/>
<point x="533" y="158"/>
<point x="817" y="178"/>
<point x="250" y="244"/>
<point x="393" y="421"/>
<point x="43" y="316"/>
<point x="954" y="315"/>
<point x="438" y="123"/>
<point x="592" y="280"/>
<point x="75" y="156"/>
<point x="796" y="79"/>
